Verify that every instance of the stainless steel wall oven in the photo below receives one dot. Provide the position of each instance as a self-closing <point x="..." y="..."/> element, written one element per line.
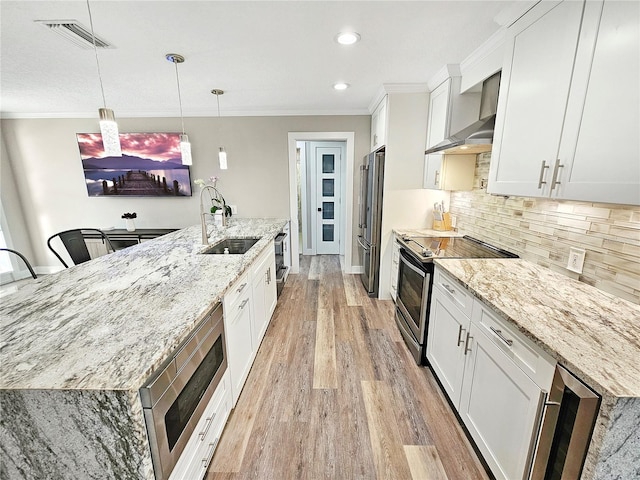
<point x="176" y="395"/>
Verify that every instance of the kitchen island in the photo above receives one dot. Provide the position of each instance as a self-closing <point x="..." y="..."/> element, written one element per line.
<point x="76" y="346"/>
<point x="592" y="333"/>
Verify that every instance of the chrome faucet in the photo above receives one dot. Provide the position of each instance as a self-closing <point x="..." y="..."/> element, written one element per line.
<point x="214" y="197"/>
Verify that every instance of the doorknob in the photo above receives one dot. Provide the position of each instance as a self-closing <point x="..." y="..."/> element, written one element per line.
<point x="319" y="209"/>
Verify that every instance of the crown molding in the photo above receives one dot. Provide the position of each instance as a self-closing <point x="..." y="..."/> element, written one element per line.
<point x="166" y="114"/>
<point x="448" y="71"/>
<point x="388" y="88"/>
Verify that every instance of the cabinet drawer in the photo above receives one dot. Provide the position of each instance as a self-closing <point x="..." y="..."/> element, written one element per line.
<point x="235" y="294"/>
<point x="452" y="289"/>
<point x="530" y="358"/>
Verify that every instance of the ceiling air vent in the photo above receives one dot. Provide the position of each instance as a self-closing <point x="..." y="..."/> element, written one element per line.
<point x="74" y="32"/>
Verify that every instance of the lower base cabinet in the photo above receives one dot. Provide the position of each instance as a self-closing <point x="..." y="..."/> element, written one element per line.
<point x="500" y="406"/>
<point x="395" y="262"/>
<point x="197" y="455"/>
<point x="238" y="331"/>
<point x="495" y="377"/>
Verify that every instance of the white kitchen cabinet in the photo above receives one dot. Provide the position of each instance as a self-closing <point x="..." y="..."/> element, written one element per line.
<point x="197" y="454"/>
<point x="568" y="115"/>
<point x="238" y="331"/>
<point x="379" y="125"/>
<point x="494" y="376"/>
<point x="395" y="266"/>
<point x="449" y="112"/>
<point x="264" y="294"/>
<point x="500" y="407"/>
<point x="445" y="344"/>
<point x="449" y="172"/>
<point x="601" y="156"/>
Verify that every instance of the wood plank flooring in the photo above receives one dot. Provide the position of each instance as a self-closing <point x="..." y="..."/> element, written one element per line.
<point x="335" y="394"/>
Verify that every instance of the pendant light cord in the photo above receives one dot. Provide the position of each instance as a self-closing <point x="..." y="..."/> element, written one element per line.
<point x="95" y="50"/>
<point x="179" y="96"/>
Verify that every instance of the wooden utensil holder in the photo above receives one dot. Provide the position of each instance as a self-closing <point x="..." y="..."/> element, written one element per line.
<point x="444" y="224"/>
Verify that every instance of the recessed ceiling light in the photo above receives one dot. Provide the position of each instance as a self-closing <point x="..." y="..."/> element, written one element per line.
<point x="340" y="86"/>
<point x="347" y="38"/>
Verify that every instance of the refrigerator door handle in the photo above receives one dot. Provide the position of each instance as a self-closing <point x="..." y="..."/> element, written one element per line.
<point x="362" y="220"/>
<point x="366" y="248"/>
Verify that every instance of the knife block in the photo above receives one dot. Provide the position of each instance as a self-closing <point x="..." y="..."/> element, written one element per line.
<point x="444" y="224"/>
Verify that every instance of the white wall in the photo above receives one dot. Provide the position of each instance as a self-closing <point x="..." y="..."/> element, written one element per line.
<point x="406" y="204"/>
<point x="49" y="182"/>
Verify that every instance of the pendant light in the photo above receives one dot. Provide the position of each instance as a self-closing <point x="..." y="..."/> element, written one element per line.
<point x="108" y="125"/>
<point x="185" y="146"/>
<point x="222" y="154"/>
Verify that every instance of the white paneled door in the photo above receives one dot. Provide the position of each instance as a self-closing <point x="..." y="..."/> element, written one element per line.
<point x="328" y="188"/>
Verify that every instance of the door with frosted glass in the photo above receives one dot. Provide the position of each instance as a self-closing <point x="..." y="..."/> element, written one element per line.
<point x="328" y="200"/>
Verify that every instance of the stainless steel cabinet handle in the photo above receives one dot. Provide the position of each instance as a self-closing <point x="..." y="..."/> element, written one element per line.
<point x="243" y="304"/>
<point x="460" y="340"/>
<point x="212" y="448"/>
<point x="437" y="177"/>
<point x="554" y="180"/>
<point x="501" y="336"/>
<point x="542" y="169"/>
<point x="208" y="422"/>
<point x="241" y="287"/>
<point x="467" y="346"/>
<point x="448" y="288"/>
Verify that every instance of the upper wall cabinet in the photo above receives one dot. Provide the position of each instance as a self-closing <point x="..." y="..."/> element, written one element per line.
<point x="379" y="125"/>
<point x="568" y="118"/>
<point x="449" y="112"/>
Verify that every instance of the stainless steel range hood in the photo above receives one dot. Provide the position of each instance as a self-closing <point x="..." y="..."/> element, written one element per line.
<point x="477" y="137"/>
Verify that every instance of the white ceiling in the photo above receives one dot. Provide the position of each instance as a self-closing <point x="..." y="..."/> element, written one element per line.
<point x="271" y="58"/>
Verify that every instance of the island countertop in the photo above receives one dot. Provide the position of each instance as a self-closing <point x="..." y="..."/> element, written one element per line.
<point x="109" y="323"/>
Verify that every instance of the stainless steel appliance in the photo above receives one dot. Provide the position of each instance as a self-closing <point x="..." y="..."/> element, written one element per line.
<point x="477" y="137"/>
<point x="176" y="395"/>
<point x="415" y="281"/>
<point x="570" y="414"/>
<point x="370" y="219"/>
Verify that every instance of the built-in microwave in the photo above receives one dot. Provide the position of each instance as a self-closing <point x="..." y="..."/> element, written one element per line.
<point x="175" y="396"/>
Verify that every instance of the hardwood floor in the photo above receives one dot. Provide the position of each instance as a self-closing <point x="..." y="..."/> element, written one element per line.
<point x="335" y="394"/>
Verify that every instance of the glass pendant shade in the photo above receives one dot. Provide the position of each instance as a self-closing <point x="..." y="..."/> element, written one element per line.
<point x="109" y="131"/>
<point x="185" y="150"/>
<point x="222" y="157"/>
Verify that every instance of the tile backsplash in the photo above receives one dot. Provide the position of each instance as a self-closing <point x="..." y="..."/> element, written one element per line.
<point x="542" y="231"/>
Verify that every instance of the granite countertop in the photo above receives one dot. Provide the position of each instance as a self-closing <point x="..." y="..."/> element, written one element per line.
<point x="109" y="323"/>
<point x="594" y="334"/>
<point x="425" y="232"/>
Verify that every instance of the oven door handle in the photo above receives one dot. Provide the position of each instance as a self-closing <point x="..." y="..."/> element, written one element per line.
<point x="409" y="264"/>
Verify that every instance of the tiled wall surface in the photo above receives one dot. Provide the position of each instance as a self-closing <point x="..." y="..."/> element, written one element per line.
<point x="543" y="230"/>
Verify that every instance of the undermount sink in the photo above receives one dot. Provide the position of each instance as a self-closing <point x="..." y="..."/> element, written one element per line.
<point x="234" y="246"/>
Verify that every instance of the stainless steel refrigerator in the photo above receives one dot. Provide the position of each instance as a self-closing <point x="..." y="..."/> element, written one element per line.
<point x="370" y="219"/>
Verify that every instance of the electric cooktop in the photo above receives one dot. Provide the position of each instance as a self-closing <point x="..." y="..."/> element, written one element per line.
<point x="425" y="249"/>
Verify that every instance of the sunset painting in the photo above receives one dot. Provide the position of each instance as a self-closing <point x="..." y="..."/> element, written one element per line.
<point x="151" y="165"/>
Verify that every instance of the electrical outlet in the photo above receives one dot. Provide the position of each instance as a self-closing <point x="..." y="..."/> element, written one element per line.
<point x="576" y="259"/>
<point x="454" y="221"/>
<point x="234" y="209"/>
